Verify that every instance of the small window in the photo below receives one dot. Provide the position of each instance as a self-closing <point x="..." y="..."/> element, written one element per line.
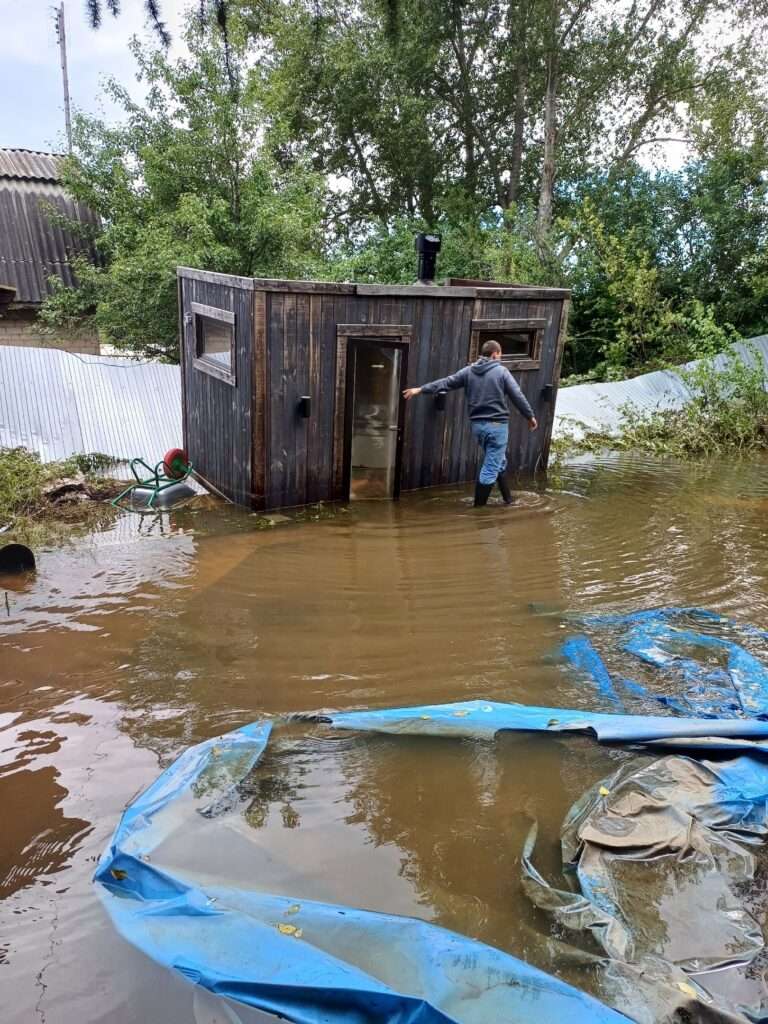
<point x="214" y="334"/>
<point x="514" y="344"/>
<point x="521" y="341"/>
<point x="214" y="340"/>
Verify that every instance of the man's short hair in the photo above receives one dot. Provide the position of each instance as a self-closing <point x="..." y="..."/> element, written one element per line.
<point x="490" y="348"/>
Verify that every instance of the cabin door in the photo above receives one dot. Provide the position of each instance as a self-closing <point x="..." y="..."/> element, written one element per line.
<point x="376" y="374"/>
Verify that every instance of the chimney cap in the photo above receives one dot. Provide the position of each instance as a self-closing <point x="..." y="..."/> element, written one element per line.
<point x="427" y="243"/>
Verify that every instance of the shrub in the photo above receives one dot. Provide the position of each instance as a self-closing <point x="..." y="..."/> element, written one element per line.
<point x="727" y="413"/>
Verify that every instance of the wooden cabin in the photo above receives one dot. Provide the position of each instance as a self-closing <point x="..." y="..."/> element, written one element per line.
<point x="292" y="390"/>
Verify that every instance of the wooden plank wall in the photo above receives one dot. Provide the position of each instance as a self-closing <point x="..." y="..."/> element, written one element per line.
<point x="438" y="449"/>
<point x="218" y="416"/>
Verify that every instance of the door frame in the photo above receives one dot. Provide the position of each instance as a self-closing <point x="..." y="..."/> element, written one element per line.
<point x="387" y="335"/>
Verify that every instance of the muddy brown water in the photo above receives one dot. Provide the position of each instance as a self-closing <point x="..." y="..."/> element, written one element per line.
<point x="131" y="644"/>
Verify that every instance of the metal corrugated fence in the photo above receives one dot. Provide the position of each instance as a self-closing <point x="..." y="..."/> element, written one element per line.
<point x="59" y="404"/>
<point x="598" y="407"/>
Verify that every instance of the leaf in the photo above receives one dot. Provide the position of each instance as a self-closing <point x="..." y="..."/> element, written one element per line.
<point x="290" y="929"/>
<point x="118" y="873"/>
<point x="603" y="791"/>
<point x="688" y="989"/>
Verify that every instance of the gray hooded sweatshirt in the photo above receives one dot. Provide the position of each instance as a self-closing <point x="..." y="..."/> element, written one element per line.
<point x="488" y="385"/>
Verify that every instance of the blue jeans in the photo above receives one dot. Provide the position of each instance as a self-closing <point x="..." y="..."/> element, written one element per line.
<point x="493" y="437"/>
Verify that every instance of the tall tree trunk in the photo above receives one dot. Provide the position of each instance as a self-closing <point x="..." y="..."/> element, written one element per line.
<point x="546" y="191"/>
<point x="516" y="162"/>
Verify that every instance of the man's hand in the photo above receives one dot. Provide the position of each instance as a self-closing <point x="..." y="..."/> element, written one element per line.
<point x="533" y="423"/>
<point x="411" y="393"/>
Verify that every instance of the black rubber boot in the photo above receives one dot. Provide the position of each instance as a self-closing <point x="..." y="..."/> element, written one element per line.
<point x="482" y="493"/>
<point x="506" y="493"/>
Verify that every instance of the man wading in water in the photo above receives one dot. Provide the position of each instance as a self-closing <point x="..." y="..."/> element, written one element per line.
<point x="488" y="385"/>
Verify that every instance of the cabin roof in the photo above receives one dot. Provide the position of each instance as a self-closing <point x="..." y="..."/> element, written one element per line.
<point x="36" y="241"/>
<point x="489" y="290"/>
<point x="29" y="165"/>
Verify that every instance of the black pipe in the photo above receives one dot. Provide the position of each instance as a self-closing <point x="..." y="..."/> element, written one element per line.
<point x="427" y="246"/>
<point x="16" y="558"/>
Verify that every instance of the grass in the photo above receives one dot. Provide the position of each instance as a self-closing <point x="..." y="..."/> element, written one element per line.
<point x="26" y="512"/>
<point x="726" y="415"/>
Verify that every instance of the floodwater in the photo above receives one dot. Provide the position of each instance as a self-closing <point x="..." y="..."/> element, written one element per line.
<point x="133" y="643"/>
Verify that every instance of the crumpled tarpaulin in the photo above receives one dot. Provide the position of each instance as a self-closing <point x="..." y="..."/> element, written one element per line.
<point x="712" y="674"/>
<point x="308" y="962"/>
<point x="669" y="887"/>
<point x="482" y="719"/>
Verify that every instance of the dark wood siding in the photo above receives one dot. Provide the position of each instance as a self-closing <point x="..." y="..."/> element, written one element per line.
<point x="251" y="441"/>
<point x="217" y="415"/>
<point x="438" y="448"/>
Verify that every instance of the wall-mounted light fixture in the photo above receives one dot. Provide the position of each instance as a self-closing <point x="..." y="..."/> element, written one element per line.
<point x="546" y="393"/>
<point x="305" y="407"/>
<point x="440" y="401"/>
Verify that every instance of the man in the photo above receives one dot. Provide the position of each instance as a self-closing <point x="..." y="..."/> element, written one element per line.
<point x="488" y="384"/>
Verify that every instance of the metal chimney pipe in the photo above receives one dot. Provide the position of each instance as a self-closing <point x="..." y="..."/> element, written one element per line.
<point x="427" y="246"/>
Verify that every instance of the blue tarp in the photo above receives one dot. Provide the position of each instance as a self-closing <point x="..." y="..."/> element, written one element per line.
<point x="701" y="668"/>
<point x="318" y="963"/>
<point x="482" y="719"/>
<point x="308" y="962"/>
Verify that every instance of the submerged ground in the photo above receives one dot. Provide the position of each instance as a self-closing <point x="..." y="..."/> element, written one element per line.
<point x="133" y="643"/>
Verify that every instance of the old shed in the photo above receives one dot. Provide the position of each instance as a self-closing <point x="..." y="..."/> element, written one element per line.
<point x="43" y="230"/>
<point x="292" y="389"/>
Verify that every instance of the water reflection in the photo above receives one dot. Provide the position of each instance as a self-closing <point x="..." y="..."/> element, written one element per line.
<point x="127" y="648"/>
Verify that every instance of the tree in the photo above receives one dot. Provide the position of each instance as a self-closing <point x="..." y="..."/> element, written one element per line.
<point x="95" y="10"/>
<point x="184" y="180"/>
<point x="476" y="103"/>
<point x="520" y="129"/>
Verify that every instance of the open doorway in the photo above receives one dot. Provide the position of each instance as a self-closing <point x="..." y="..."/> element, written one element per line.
<point x="376" y="374"/>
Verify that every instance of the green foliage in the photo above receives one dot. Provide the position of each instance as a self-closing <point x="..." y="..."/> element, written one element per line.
<point x="183" y="181"/>
<point x="625" y="323"/>
<point x="727" y="414"/>
<point x="489" y="249"/>
<point x="22" y="478"/>
<point x="432" y="116"/>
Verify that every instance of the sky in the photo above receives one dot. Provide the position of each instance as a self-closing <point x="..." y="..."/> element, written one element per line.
<point x="30" y="71"/>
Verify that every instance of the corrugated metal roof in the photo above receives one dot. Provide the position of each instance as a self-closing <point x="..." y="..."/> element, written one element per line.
<point x="600" y="407"/>
<point x="60" y="404"/>
<point x="29" y="165"/>
<point x="32" y="246"/>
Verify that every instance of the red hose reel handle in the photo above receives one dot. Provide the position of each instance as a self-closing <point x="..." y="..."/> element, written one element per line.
<point x="175" y="463"/>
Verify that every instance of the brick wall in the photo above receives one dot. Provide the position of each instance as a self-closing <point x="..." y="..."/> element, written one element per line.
<point x="19" y="327"/>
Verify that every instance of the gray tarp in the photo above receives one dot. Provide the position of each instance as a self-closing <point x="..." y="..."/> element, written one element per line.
<point x="670" y="886"/>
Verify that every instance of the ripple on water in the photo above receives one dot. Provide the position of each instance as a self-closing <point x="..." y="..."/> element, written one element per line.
<point x="124" y="650"/>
